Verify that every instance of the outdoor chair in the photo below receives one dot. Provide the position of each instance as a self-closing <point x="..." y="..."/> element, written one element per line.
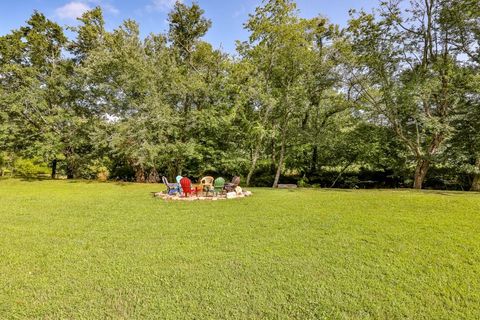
<point x="207" y="184"/>
<point x="187" y="186"/>
<point x="178" y="178"/>
<point x="171" y="187"/>
<point x="229" y="187"/>
<point x="218" y="186"/>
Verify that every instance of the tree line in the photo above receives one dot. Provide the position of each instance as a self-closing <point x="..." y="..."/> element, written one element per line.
<point x="390" y="100"/>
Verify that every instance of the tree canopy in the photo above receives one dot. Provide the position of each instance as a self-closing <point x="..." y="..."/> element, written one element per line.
<point x="391" y="100"/>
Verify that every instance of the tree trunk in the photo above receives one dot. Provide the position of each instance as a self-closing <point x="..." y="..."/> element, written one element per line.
<point x="139" y="173"/>
<point x="153" y="177"/>
<point x="280" y="160"/>
<point x="340" y="174"/>
<point x="256" y="154"/>
<point x="70" y="174"/>
<point x="71" y="162"/>
<point x="313" y="161"/>
<point x="70" y="169"/>
<point x="54" y="168"/>
<point x="476" y="177"/>
<point x="420" y="173"/>
<point x="274" y="156"/>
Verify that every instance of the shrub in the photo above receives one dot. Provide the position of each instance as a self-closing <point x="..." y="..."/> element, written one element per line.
<point x="97" y="169"/>
<point x="303" y="182"/>
<point x="29" y="167"/>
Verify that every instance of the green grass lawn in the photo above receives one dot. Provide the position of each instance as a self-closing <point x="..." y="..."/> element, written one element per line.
<point x="81" y="250"/>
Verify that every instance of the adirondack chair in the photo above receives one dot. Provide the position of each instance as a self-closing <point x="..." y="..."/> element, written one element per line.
<point x="171" y="187"/>
<point x="218" y="185"/>
<point x="229" y="187"/>
<point x="179" y="188"/>
<point x="207" y="184"/>
<point x="187" y="186"/>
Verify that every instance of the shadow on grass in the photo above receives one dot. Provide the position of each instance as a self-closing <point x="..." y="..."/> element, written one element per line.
<point x="81" y="181"/>
<point x="450" y="192"/>
<point x="33" y="179"/>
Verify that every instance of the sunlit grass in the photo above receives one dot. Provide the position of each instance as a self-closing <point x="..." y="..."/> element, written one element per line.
<point x="92" y="250"/>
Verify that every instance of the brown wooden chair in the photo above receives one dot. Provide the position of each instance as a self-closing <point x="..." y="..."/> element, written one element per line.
<point x="229" y="187"/>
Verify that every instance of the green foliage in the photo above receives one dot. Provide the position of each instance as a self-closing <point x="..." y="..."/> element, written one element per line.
<point x="406" y="71"/>
<point x="97" y="169"/>
<point x="395" y="93"/>
<point x="186" y="26"/>
<point x="90" y="34"/>
<point x="29" y="168"/>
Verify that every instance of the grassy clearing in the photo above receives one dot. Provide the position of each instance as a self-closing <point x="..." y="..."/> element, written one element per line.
<point x="91" y="250"/>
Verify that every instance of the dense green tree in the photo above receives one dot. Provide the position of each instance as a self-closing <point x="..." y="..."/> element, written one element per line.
<point x="405" y="73"/>
<point x="186" y="26"/>
<point x="90" y="34"/>
<point x="129" y="82"/>
<point x="462" y="20"/>
<point x="34" y="92"/>
<point x="281" y="48"/>
<point x="395" y="92"/>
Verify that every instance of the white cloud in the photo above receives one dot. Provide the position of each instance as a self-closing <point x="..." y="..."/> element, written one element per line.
<point x="75" y="9"/>
<point x="106" y="6"/>
<point x="71" y="10"/>
<point x="239" y="12"/>
<point x="110" y="8"/>
<point x="161" y="5"/>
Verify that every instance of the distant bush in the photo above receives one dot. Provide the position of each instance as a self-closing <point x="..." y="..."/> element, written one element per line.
<point x="303" y="182"/>
<point x="29" y="167"/>
<point x="97" y="169"/>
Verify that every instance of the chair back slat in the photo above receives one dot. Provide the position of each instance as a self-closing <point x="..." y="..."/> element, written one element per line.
<point x="207" y="181"/>
<point x="236" y="181"/>
<point x="165" y="180"/>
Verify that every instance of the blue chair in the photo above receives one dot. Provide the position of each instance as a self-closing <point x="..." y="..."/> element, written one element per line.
<point x="172" y="188"/>
<point x="179" y="186"/>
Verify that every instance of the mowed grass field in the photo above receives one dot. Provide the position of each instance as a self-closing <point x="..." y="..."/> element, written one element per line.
<point x="77" y="250"/>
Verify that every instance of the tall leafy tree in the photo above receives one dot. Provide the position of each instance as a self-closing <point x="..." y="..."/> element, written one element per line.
<point x="462" y="20"/>
<point x="35" y="79"/>
<point x="281" y="48"/>
<point x="128" y="76"/>
<point x="396" y="92"/>
<point x="405" y="71"/>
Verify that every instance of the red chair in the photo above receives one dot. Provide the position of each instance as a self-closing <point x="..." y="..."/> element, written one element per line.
<point x="187" y="186"/>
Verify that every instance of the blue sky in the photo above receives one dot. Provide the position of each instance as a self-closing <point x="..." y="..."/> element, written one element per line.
<point x="227" y="16"/>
